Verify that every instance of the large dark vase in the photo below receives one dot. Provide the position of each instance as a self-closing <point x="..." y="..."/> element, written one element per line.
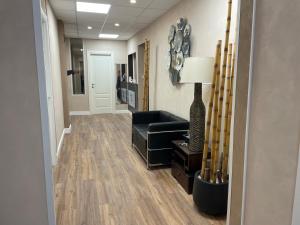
<point x="210" y="198"/>
<point x="197" y="121"/>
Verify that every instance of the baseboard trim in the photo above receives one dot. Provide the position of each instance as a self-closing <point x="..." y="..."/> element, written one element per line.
<point x="80" y="113"/>
<point x="60" y="144"/>
<point x="122" y="112"/>
<point x="68" y="130"/>
<point x="61" y="141"/>
<point x="130" y="113"/>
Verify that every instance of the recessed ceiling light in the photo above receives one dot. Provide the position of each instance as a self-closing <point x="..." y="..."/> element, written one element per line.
<point x="109" y="36"/>
<point x="89" y="27"/>
<point x="93" y="7"/>
<point x="117" y="24"/>
<point x="132" y="1"/>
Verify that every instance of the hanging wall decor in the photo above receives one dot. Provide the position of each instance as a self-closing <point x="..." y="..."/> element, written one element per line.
<point x="180" y="47"/>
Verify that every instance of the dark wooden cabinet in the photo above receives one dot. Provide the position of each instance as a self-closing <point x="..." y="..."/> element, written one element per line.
<point x="185" y="164"/>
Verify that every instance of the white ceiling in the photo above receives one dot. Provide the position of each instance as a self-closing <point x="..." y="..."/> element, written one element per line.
<point x="131" y="17"/>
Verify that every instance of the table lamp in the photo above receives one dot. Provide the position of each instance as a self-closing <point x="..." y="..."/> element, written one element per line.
<point x="197" y="71"/>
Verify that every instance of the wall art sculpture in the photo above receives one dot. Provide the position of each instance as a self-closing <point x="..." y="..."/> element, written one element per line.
<point x="180" y="47"/>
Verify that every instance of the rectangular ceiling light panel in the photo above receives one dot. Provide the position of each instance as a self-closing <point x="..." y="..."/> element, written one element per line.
<point x="93" y="7"/>
<point x="109" y="36"/>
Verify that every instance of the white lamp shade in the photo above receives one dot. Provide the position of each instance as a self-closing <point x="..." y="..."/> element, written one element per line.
<point x="197" y="70"/>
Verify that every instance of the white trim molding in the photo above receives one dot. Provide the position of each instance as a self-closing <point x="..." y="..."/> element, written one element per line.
<point x="61" y="141"/>
<point x="296" y="208"/>
<point x="249" y="106"/>
<point x="80" y="113"/>
<point x="68" y="130"/>
<point x="37" y="22"/>
<point x="122" y="112"/>
<point x="59" y="147"/>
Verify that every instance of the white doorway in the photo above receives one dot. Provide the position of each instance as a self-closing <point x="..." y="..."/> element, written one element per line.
<point x="49" y="90"/>
<point x="101" y="80"/>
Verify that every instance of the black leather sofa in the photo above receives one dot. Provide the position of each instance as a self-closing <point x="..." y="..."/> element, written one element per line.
<point x="152" y="133"/>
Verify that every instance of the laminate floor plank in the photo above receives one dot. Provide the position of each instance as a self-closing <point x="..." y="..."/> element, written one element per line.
<point x="101" y="180"/>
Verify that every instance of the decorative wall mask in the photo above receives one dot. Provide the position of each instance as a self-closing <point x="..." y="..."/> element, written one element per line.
<point x="187" y="31"/>
<point x="180" y="46"/>
<point x="172" y="34"/>
<point x="186" y="48"/>
<point x="178" y="40"/>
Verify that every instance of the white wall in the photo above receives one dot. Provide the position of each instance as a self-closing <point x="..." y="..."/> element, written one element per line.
<point x="208" y="21"/>
<point x="119" y="51"/>
<point x="56" y="74"/>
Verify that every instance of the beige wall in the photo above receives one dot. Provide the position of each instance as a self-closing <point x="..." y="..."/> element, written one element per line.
<point x="274" y="125"/>
<point x="56" y="74"/>
<point x="119" y="50"/>
<point x="64" y="78"/>
<point x="208" y="21"/>
<point x="22" y="172"/>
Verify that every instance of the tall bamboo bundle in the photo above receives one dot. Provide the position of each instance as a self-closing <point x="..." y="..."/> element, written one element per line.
<point x="227" y="105"/>
<point x="228" y="133"/>
<point x="215" y="120"/>
<point x="219" y="108"/>
<point x="211" y="102"/>
<point x="146" y="76"/>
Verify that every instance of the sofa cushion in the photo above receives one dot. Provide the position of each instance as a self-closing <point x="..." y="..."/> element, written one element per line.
<point x="164" y="117"/>
<point x="168" y="117"/>
<point x="145" y="117"/>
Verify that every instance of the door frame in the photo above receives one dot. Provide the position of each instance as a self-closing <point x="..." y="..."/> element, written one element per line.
<point x="38" y="38"/>
<point x="244" y="27"/>
<point x="113" y="80"/>
<point x="240" y="122"/>
<point x="296" y="207"/>
<point x="49" y="83"/>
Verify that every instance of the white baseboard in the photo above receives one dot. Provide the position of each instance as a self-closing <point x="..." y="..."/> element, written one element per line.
<point x="130" y="113"/>
<point x="80" y="113"/>
<point x="122" y="112"/>
<point x="68" y="130"/>
<point x="60" y="144"/>
<point x="61" y="141"/>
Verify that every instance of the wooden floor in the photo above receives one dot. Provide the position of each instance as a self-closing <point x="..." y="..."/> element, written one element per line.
<point x="101" y="180"/>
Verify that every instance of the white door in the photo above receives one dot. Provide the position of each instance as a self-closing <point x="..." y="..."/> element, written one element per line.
<point x="101" y="80"/>
<point x="49" y="89"/>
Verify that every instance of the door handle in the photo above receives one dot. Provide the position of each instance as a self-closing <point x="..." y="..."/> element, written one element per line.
<point x="93" y="85"/>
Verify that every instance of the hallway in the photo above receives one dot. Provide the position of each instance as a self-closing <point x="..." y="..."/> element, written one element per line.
<point x="101" y="180"/>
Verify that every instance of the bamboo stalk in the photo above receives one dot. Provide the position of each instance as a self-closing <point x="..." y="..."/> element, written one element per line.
<point x="146" y="77"/>
<point x="215" y="120"/>
<point x="225" y="160"/>
<point x="206" y="174"/>
<point x="220" y="103"/>
<point x="226" y="125"/>
<point x="211" y="102"/>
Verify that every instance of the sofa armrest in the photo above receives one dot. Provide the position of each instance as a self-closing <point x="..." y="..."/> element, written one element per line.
<point x="168" y="126"/>
<point x="145" y="117"/>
